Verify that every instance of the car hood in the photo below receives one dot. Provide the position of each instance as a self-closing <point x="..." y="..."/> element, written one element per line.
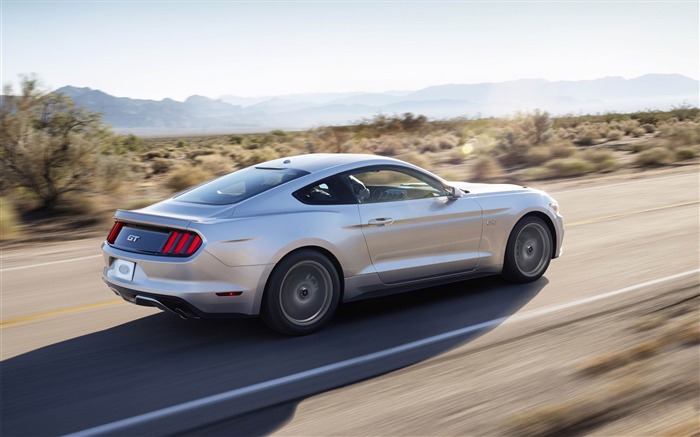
<point x="475" y="188"/>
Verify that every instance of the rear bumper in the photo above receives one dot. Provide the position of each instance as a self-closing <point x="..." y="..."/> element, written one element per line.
<point x="187" y="287"/>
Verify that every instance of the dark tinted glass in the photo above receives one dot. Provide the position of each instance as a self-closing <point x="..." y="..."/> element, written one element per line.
<point x="240" y="185"/>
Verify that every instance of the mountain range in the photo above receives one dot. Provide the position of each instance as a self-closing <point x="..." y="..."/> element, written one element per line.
<point x="227" y="113"/>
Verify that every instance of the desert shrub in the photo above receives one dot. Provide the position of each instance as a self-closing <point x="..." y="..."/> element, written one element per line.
<point x="181" y="143"/>
<point x="213" y="164"/>
<point x="153" y="154"/>
<point x="602" y="160"/>
<point x="637" y="147"/>
<point x="538" y="155"/>
<point x="681" y="133"/>
<point x="235" y="139"/>
<point x="199" y="152"/>
<point x="653" y="157"/>
<point x="628" y="126"/>
<point x="140" y="203"/>
<point x="9" y="221"/>
<point x="522" y="133"/>
<point x="185" y="177"/>
<point x="572" y="166"/>
<point x="388" y="146"/>
<point x="536" y="173"/>
<point x="562" y="149"/>
<point x="649" y="128"/>
<point x="112" y="171"/>
<point x="259" y="155"/>
<point x="160" y="165"/>
<point x="587" y="135"/>
<point x="456" y="156"/>
<point x="415" y="158"/>
<point x="638" y="132"/>
<point x="685" y="153"/>
<point x="615" y="134"/>
<point x="486" y="168"/>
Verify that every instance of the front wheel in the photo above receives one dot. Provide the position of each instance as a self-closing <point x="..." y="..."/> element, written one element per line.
<point x="302" y="294"/>
<point x="528" y="252"/>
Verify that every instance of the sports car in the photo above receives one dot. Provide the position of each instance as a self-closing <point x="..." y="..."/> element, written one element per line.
<point x="292" y="238"/>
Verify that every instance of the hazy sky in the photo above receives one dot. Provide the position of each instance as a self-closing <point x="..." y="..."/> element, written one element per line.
<point x="159" y="49"/>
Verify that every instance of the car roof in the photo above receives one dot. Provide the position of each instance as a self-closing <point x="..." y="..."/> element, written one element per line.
<point x="315" y="162"/>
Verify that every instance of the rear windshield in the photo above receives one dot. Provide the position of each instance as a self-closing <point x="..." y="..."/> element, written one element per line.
<point x="240" y="185"/>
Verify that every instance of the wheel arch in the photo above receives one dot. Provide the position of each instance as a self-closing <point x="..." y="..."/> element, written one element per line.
<point x="550" y="225"/>
<point x="323" y="251"/>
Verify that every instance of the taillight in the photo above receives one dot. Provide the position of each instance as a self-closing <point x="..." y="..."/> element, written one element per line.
<point x="112" y="237"/>
<point x="182" y="243"/>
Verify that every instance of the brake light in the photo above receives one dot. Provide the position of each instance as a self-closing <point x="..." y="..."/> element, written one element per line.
<point x="116" y="229"/>
<point x="182" y="243"/>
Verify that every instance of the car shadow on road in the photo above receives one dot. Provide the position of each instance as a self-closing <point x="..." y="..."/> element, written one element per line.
<point x="160" y="361"/>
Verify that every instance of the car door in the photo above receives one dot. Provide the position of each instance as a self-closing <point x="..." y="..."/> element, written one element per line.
<point x="413" y="229"/>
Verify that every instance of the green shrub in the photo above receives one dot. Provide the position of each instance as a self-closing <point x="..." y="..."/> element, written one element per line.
<point x="653" y="157"/>
<point x="569" y="167"/>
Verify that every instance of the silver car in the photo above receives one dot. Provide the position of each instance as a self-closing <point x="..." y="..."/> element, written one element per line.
<point x="290" y="238"/>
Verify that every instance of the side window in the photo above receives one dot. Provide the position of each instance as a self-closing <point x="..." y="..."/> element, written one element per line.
<point x="390" y="185"/>
<point x="327" y="192"/>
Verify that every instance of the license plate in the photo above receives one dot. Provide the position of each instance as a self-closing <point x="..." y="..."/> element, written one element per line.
<point x="124" y="269"/>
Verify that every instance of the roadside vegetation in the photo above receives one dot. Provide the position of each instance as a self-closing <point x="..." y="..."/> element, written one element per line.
<point x="58" y="159"/>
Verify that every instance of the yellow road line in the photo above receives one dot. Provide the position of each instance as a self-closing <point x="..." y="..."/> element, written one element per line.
<point x="625" y="214"/>
<point x="22" y="319"/>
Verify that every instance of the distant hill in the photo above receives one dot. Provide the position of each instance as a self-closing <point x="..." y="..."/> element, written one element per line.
<point x="199" y="114"/>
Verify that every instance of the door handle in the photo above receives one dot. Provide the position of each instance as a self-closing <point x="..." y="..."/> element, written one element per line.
<point x="381" y="221"/>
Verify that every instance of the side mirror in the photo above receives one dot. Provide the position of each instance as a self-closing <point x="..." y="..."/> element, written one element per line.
<point x="454" y="192"/>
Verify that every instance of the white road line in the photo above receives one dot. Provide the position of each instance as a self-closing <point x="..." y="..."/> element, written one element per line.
<point x="661" y="178"/>
<point x="296" y="377"/>
<point x="31" y="266"/>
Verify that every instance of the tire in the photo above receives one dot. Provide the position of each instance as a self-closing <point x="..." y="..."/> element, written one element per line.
<point x="302" y="293"/>
<point x="528" y="252"/>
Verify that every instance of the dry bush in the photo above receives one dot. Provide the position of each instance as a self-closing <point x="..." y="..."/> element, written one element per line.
<point x="140" y="203"/>
<point x="112" y="171"/>
<point x="185" y="177"/>
<point x="603" y="160"/>
<point x="9" y="220"/>
<point x="587" y="135"/>
<point x="415" y="158"/>
<point x="615" y="134"/>
<point x="160" y="165"/>
<point x="649" y="128"/>
<point x="654" y="157"/>
<point x="258" y="155"/>
<point x="213" y="164"/>
<point x="638" y="132"/>
<point x="637" y="147"/>
<point x="681" y="133"/>
<point x="628" y="126"/>
<point x="538" y="155"/>
<point x="562" y="149"/>
<point x="572" y="166"/>
<point x="486" y="168"/>
<point x="685" y="153"/>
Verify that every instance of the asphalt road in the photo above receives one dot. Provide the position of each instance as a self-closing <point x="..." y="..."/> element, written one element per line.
<point x="75" y="358"/>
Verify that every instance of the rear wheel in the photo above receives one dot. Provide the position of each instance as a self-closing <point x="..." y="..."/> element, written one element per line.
<point x="301" y="294"/>
<point x="528" y="252"/>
